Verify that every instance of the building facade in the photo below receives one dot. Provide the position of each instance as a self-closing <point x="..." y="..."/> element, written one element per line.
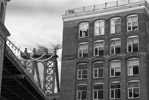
<point x="105" y="52"/>
<point x="3" y="35"/>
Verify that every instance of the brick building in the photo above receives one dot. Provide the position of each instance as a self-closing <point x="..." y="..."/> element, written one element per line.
<point x="3" y="35"/>
<point x="105" y="52"/>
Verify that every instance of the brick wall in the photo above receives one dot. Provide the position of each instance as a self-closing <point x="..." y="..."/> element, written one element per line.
<point x="70" y="60"/>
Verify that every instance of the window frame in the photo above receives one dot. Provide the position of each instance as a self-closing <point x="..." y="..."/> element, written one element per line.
<point x="83" y="34"/>
<point x="100" y="27"/>
<point x="81" y="91"/>
<point x="115" y="89"/>
<point x="115" y="39"/>
<point x="131" y="37"/>
<point x="131" y="22"/>
<point x="133" y="89"/>
<point x="116" y="60"/>
<point x="80" y="71"/>
<point x="98" y="70"/>
<point x="128" y="66"/>
<point x="98" y="90"/>
<point x="99" y="41"/>
<point x="82" y="50"/>
<point x="112" y="19"/>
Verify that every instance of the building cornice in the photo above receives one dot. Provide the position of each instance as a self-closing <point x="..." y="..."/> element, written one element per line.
<point x="108" y="11"/>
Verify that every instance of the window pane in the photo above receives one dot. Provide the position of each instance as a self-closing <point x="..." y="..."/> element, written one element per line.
<point x="84" y="74"/>
<point x="133" y="84"/>
<point x="95" y="72"/>
<point x="98" y="86"/>
<point x="112" y="49"/>
<point x="112" y="93"/>
<point x="134" y="25"/>
<point x="82" y="87"/>
<point x="95" y="94"/>
<point x="130" y="70"/>
<point x="135" y="70"/>
<point x="130" y="92"/>
<point x="118" y="50"/>
<point x="83" y="29"/>
<point x="79" y="95"/>
<point x="96" y="51"/>
<point x="129" y="48"/>
<point x="118" y="28"/>
<point x="135" y="47"/>
<point x="100" y="94"/>
<point x="136" y="92"/>
<point x="101" y="52"/>
<point x="117" y="93"/>
<point x="79" y="74"/>
<point x="98" y="65"/>
<point x="100" y="74"/>
<point x="117" y="71"/>
<point x="84" y="96"/>
<point x="112" y="71"/>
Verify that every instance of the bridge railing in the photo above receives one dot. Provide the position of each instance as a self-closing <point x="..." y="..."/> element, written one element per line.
<point x="14" y="49"/>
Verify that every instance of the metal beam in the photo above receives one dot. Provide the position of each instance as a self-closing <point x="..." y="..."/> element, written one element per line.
<point x="12" y="92"/>
<point x="26" y="89"/>
<point x="18" y="76"/>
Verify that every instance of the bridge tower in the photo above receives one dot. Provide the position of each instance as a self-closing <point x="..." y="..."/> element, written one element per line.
<point x="43" y="67"/>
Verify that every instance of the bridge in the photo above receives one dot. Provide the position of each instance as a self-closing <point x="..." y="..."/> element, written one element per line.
<point x="29" y="76"/>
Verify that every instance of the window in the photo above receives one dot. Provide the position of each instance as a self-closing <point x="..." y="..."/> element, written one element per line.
<point x="115" y="46"/>
<point x="99" y="27"/>
<point x="133" y="44"/>
<point x="132" y="22"/>
<point x="115" y="25"/>
<point x="98" y="91"/>
<point x="83" y="50"/>
<point x="98" y="70"/>
<point x="99" y="48"/>
<point x="82" y="71"/>
<point x="133" y="89"/>
<point x="82" y="92"/>
<point x="133" y="66"/>
<point x="115" y="90"/>
<point x="83" y="29"/>
<point x="115" y="68"/>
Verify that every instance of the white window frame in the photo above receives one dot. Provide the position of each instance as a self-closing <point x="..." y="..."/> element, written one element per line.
<point x="79" y="70"/>
<point x="128" y="66"/>
<point x="131" y="22"/>
<point x="133" y="89"/>
<point x="82" y="50"/>
<point x="100" y="27"/>
<point x="114" y="26"/>
<point x="115" y="68"/>
<point x="115" y="39"/>
<point x="81" y="91"/>
<point x="99" y="47"/>
<point x="83" y="34"/>
<point x="115" y="89"/>
<point x="131" y="37"/>
<point x="98" y="70"/>
<point x="97" y="91"/>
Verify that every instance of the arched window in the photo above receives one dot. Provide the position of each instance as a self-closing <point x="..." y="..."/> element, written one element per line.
<point x="115" y="25"/>
<point x="99" y="27"/>
<point x="115" y="46"/>
<point x="83" y="29"/>
<point x="99" y="48"/>
<point x="98" y="89"/>
<point x="82" y="92"/>
<point x="115" y="90"/>
<point x="82" y="71"/>
<point x="132" y="44"/>
<point x="98" y="69"/>
<point x="133" y="66"/>
<point x="115" y="68"/>
<point x="132" y="22"/>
